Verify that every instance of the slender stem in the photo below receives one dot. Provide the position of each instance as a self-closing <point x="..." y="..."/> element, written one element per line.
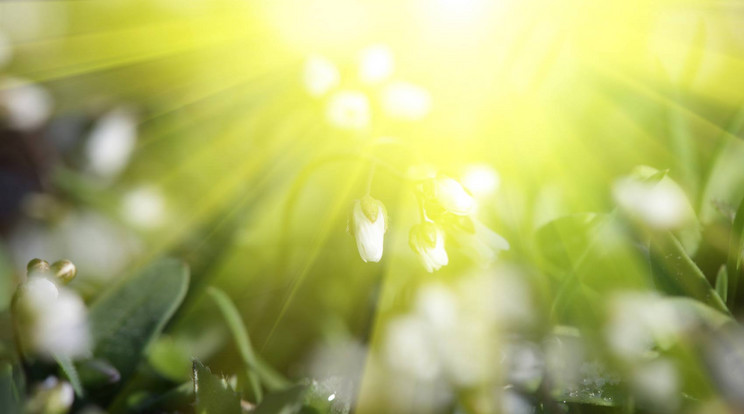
<point x="371" y="176"/>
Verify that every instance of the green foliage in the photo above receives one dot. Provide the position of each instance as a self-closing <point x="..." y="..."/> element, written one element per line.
<point x="131" y="315"/>
<point x="213" y="394"/>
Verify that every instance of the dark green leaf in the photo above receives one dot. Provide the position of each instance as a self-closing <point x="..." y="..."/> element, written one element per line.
<point x="130" y="316"/>
<point x="213" y="395"/>
<point x="11" y="396"/>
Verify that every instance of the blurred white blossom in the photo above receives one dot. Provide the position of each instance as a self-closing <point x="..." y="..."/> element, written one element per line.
<point x="144" y="207"/>
<point x="25" y="105"/>
<point x="656" y="385"/>
<point x="452" y="196"/>
<point x="52" y="319"/>
<point x="111" y="143"/>
<point x="427" y="239"/>
<point x="481" y="180"/>
<point x="51" y="396"/>
<point x="349" y="110"/>
<point x="660" y="204"/>
<point x="368" y="225"/>
<point x="406" y="101"/>
<point x="376" y="63"/>
<point x="320" y="75"/>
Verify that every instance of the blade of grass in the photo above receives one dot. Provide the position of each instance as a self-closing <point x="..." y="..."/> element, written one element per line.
<point x="258" y="371"/>
<point x="65" y="363"/>
<point x="733" y="263"/>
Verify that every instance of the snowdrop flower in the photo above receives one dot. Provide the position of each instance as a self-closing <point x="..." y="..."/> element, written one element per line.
<point x="111" y="143"/>
<point x="349" y="110"/>
<point x="51" y="320"/>
<point x="375" y="64"/>
<point x="427" y="239"/>
<point x="144" y="207"/>
<point x="368" y="224"/>
<point x="481" y="180"/>
<point x="452" y="196"/>
<point x="320" y="76"/>
<point x="26" y="106"/>
<point x="656" y="384"/>
<point x="406" y="101"/>
<point x="662" y="204"/>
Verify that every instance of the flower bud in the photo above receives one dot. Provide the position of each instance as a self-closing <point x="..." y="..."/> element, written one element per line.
<point x="64" y="270"/>
<point x="37" y="266"/>
<point x="427" y="239"/>
<point x="368" y="225"/>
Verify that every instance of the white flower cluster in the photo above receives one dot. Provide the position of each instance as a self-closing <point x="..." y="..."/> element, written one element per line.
<point x="350" y="108"/>
<point x="442" y="199"/>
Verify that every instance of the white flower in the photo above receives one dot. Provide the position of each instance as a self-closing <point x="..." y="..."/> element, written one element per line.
<point x="481" y="180"/>
<point x="349" y="110"/>
<point x="320" y="75"/>
<point x="409" y="348"/>
<point x="368" y="225"/>
<point x="144" y="207"/>
<point x="25" y="105"/>
<point x="427" y="239"/>
<point x="111" y="143"/>
<point x="660" y="204"/>
<point x="406" y="101"/>
<point x="452" y="196"/>
<point x="52" y="320"/>
<point x="375" y="64"/>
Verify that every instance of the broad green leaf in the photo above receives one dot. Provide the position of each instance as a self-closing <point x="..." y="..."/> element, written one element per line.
<point x="170" y="358"/>
<point x="676" y="274"/>
<point x="722" y="283"/>
<point x="131" y="315"/>
<point x="213" y="395"/>
<point x="68" y="368"/>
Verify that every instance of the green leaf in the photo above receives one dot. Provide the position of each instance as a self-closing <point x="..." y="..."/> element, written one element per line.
<point x="213" y="395"/>
<point x="170" y="358"/>
<point x="68" y="368"/>
<point x="11" y="396"/>
<point x="564" y="241"/>
<point x="256" y="368"/>
<point x="722" y="283"/>
<point x="289" y="401"/>
<point x="676" y="274"/>
<point x="131" y="315"/>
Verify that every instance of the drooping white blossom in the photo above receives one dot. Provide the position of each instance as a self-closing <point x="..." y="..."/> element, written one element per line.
<point x="376" y="63"/>
<point x="427" y="239"/>
<point x="320" y="75"/>
<point x="368" y="224"/>
<point x="349" y="110"/>
<point x="452" y="196"/>
<point x="406" y="101"/>
<point x="51" y="396"/>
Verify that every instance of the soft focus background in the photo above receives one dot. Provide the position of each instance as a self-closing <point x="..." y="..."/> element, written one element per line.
<point x="602" y="140"/>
